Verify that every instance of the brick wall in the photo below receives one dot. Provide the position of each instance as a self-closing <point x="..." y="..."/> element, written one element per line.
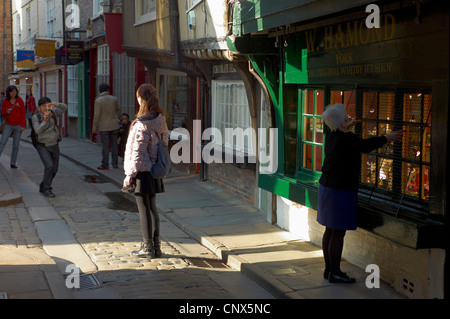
<point x="5" y="39"/>
<point x="239" y="181"/>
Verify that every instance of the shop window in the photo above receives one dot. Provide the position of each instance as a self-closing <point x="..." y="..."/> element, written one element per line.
<point x="173" y="97"/>
<point x="231" y="115"/>
<point x="312" y="133"/>
<point x="399" y="170"/>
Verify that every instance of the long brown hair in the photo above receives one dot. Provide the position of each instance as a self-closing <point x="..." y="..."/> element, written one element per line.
<point x="149" y="100"/>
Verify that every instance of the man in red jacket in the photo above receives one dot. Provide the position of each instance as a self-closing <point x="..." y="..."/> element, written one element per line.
<point x="13" y="113"/>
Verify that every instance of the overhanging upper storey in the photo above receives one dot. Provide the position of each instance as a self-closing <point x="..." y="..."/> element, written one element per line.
<point x="261" y="15"/>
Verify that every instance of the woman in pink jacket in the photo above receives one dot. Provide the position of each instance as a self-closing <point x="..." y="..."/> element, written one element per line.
<point x="140" y="154"/>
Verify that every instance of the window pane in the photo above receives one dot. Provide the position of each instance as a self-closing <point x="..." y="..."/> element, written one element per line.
<point x="308" y="129"/>
<point x="425" y="182"/>
<point x="319" y="131"/>
<point x="411" y="176"/>
<point x="385" y="172"/>
<point x="320" y="100"/>
<point x="348" y="98"/>
<point x="336" y="96"/>
<point x="368" y="169"/>
<point x="350" y="102"/>
<point x="318" y="157"/>
<point x="309" y="102"/>
<point x="386" y="106"/>
<point x="307" y="156"/>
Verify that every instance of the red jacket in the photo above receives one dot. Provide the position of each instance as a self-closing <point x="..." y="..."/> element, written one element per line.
<point x="31" y="103"/>
<point x="18" y="113"/>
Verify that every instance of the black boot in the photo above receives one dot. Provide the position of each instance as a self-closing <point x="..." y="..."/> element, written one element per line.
<point x="157" y="247"/>
<point x="146" y="250"/>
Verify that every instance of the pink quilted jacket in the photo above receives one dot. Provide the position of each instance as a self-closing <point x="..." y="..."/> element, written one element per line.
<point x="141" y="149"/>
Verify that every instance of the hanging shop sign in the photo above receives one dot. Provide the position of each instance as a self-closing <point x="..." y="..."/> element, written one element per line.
<point x="25" y="59"/>
<point x="70" y="54"/>
<point x="45" y="48"/>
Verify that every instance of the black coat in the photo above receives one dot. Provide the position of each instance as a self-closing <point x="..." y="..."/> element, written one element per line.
<point x="342" y="163"/>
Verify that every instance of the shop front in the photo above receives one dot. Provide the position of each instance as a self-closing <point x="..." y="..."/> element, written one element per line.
<point x="394" y="77"/>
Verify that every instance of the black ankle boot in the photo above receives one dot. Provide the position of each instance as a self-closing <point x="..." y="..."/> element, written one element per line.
<point x="157" y="247"/>
<point x="146" y="250"/>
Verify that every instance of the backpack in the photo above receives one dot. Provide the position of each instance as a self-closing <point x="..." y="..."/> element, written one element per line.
<point x="163" y="165"/>
<point x="33" y="134"/>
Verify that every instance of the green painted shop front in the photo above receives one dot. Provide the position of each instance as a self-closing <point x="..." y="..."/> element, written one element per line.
<point x="392" y="77"/>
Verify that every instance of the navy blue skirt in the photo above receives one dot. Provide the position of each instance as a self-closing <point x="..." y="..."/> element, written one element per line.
<point x="146" y="184"/>
<point x="337" y="209"/>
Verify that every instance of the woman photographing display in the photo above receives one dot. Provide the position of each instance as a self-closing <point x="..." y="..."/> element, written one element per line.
<point x="338" y="189"/>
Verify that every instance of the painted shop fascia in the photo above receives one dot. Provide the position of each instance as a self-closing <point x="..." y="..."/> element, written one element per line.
<point x="408" y="54"/>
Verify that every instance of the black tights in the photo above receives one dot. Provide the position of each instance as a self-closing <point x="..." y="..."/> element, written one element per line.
<point x="332" y="245"/>
<point x="148" y="214"/>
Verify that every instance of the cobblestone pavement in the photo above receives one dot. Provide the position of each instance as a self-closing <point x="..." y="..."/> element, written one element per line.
<point x="106" y="224"/>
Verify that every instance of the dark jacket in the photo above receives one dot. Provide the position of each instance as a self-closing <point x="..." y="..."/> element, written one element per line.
<point x="342" y="163"/>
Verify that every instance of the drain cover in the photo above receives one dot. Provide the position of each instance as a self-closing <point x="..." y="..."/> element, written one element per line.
<point x="205" y="262"/>
<point x="87" y="281"/>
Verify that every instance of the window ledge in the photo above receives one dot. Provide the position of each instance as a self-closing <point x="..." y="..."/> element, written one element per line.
<point x="416" y="234"/>
<point x="407" y="232"/>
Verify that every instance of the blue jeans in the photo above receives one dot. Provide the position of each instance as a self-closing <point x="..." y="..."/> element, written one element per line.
<point x="109" y="138"/>
<point x="50" y="158"/>
<point x="15" y="130"/>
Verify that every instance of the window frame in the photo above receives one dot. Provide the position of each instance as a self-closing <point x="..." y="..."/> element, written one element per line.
<point x="97" y="8"/>
<point x="394" y="198"/>
<point x="50" y="18"/>
<point x="103" y="64"/>
<point x="313" y="173"/>
<point x="227" y="148"/>
<point x="72" y="90"/>
<point x="141" y="18"/>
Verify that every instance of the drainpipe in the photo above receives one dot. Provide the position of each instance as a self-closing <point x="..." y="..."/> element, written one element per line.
<point x="3" y="86"/>
<point x="175" y="36"/>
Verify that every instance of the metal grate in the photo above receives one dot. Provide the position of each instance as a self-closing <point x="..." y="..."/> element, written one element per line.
<point x="205" y="262"/>
<point x="87" y="281"/>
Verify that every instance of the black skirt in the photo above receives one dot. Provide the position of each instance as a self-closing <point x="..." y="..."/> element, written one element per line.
<point x="146" y="184"/>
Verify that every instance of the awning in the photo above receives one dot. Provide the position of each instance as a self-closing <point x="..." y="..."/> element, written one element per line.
<point x="113" y="30"/>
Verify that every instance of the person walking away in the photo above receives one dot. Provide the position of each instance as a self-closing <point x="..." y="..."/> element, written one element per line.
<point x="106" y="118"/>
<point x="48" y="136"/>
<point x="123" y="133"/>
<point x="13" y="109"/>
<point x="141" y="152"/>
<point x="338" y="185"/>
<point x="30" y="104"/>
